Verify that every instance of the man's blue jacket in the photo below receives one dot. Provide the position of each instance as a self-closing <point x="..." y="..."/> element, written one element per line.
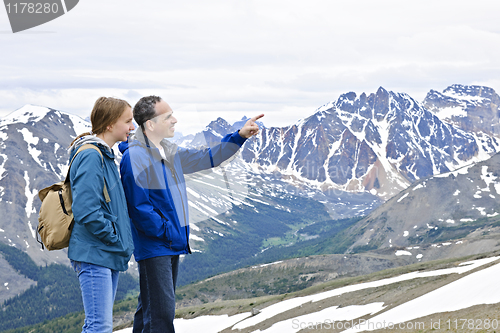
<point x="156" y="190"/>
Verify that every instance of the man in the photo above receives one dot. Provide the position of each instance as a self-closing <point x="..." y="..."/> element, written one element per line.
<point x="152" y="171"/>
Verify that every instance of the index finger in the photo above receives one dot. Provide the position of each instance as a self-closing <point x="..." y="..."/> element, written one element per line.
<point x="257" y="117"/>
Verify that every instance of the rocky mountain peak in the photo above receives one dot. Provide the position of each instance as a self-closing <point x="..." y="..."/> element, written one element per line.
<point x="379" y="142"/>
<point x="219" y="125"/>
<point x="466" y="91"/>
<point x="471" y="108"/>
<point x="26" y="114"/>
<point x="34" y="155"/>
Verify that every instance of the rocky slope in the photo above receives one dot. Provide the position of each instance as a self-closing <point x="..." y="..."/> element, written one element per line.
<point x="464" y="203"/>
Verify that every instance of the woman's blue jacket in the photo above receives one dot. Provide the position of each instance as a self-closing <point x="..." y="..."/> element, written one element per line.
<point x="101" y="234"/>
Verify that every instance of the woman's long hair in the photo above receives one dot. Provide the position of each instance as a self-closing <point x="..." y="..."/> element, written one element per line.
<point x="106" y="112"/>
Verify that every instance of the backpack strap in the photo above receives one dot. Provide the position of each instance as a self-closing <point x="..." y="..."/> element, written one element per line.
<point x="82" y="148"/>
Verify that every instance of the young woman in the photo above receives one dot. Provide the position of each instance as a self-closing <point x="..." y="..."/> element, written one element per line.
<point x="101" y="241"/>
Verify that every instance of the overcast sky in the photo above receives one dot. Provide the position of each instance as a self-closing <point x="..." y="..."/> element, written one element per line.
<point x="241" y="57"/>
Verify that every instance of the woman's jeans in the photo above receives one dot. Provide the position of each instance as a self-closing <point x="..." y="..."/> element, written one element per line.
<point x="98" y="285"/>
<point x="156" y="309"/>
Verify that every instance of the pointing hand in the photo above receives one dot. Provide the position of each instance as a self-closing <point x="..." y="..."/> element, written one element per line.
<point x="250" y="128"/>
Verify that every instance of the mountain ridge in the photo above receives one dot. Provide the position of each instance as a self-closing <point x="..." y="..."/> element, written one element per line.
<point x="379" y="142"/>
<point x="349" y="156"/>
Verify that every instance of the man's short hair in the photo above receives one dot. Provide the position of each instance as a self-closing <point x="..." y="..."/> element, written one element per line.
<point x="144" y="109"/>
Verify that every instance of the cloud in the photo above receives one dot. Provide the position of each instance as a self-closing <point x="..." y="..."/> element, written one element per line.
<point x="285" y="58"/>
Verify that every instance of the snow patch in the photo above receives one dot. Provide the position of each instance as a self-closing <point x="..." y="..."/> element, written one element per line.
<point x="449" y="112"/>
<point x="193" y="192"/>
<point x="419" y="186"/>
<point x="264" y="265"/>
<point x="31" y="141"/>
<point x="80" y="125"/>
<point x="345" y="313"/>
<point x="462" y="171"/>
<point x="488" y="178"/>
<point x="481" y="210"/>
<point x="468" y="291"/>
<point x="196" y="238"/>
<point x="4" y="159"/>
<point x="30" y="196"/>
<point x="404" y="196"/>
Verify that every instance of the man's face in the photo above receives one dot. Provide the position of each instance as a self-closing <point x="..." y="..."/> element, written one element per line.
<point x="164" y="122"/>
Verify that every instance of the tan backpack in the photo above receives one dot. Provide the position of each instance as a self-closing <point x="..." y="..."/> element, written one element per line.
<point x="55" y="219"/>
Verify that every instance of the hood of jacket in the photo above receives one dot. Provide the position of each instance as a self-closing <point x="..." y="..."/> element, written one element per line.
<point x="93" y="139"/>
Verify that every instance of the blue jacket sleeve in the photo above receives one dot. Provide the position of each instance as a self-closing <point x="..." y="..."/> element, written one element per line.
<point x="196" y="160"/>
<point x="87" y="183"/>
<point x="140" y="207"/>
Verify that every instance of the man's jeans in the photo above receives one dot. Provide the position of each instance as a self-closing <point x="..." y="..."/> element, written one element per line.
<point x="156" y="309"/>
<point x="98" y="285"/>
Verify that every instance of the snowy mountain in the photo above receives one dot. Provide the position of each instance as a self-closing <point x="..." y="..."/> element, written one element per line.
<point x="350" y="155"/>
<point x="378" y="143"/>
<point x="471" y="108"/>
<point x="250" y="177"/>
<point x="34" y="140"/>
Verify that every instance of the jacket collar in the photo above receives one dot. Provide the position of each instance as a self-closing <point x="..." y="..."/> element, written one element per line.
<point x="92" y="139"/>
<point x="170" y="148"/>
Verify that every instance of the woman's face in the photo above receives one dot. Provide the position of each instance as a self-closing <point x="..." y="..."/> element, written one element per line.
<point x="123" y="126"/>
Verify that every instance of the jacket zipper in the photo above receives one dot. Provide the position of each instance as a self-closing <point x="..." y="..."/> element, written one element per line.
<point x="174" y="175"/>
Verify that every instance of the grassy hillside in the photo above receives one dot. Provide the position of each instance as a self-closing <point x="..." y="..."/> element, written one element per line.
<point x="237" y="302"/>
<point x="55" y="294"/>
<point x="73" y="322"/>
<point x="391" y="295"/>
